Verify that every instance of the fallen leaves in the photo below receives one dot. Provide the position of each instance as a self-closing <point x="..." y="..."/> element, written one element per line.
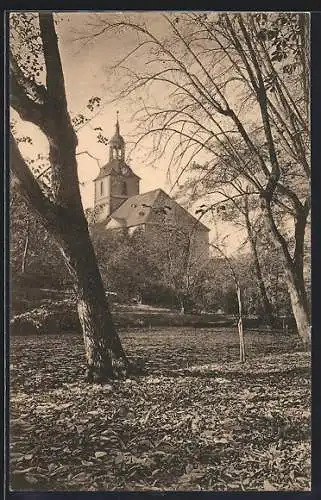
<point x="100" y="454"/>
<point x="191" y="477"/>
<point x="220" y="427"/>
<point x="267" y="486"/>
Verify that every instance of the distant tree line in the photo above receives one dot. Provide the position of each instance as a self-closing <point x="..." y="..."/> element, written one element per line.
<point x="137" y="269"/>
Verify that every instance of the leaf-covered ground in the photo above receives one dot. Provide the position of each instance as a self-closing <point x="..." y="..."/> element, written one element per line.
<point x="197" y="420"/>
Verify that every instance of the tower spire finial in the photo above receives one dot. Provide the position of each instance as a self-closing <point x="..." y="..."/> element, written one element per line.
<point x="117" y="122"/>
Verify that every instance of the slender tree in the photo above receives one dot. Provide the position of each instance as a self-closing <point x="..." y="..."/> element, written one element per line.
<point x="238" y="290"/>
<point x="229" y="201"/>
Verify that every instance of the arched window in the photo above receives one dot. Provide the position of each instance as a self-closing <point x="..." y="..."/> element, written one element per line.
<point x="101" y="188"/>
<point x="116" y="153"/>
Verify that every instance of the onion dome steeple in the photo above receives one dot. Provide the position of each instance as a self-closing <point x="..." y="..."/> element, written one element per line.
<point x="117" y="144"/>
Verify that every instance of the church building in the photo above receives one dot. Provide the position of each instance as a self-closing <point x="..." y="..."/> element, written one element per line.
<point x="118" y="203"/>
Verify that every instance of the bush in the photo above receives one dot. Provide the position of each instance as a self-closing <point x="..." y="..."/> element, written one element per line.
<point x="54" y="318"/>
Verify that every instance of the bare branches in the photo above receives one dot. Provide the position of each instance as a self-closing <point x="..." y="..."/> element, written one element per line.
<point x="207" y="61"/>
<point x="27" y="186"/>
<point x="90" y="156"/>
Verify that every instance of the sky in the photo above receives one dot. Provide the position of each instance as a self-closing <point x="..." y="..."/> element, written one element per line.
<point x="86" y="74"/>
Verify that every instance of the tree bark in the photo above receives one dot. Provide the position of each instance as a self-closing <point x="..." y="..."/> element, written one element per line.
<point x="63" y="216"/>
<point x="298" y="303"/>
<point x="70" y="231"/>
<point x="293" y="275"/>
<point x="69" y="228"/>
<point x="298" y="259"/>
<point x="26" y="248"/>
<point x="105" y="356"/>
<point x="240" y="325"/>
<point x="268" y="310"/>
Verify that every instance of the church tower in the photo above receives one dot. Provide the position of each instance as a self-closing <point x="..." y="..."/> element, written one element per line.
<point x="116" y="182"/>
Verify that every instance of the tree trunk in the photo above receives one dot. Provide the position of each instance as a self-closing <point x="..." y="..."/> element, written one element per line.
<point x="267" y="306"/>
<point x="240" y="324"/>
<point x="181" y="304"/>
<point x="105" y="356"/>
<point x="26" y="248"/>
<point x="299" y="305"/>
<point x="293" y="276"/>
<point x="68" y="226"/>
<point x="298" y="259"/>
<point x="62" y="213"/>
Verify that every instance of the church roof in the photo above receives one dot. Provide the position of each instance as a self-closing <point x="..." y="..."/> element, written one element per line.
<point x="139" y="209"/>
<point x="117" y="139"/>
<point x="116" y="166"/>
<point x="132" y="211"/>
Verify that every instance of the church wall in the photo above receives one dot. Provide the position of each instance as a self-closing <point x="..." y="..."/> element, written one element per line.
<point x="122" y="187"/>
<point x="180" y="221"/>
<point x="111" y="191"/>
<point x="132" y="186"/>
<point x="185" y="222"/>
<point x="200" y="246"/>
<point x="116" y="201"/>
<point x="102" y="198"/>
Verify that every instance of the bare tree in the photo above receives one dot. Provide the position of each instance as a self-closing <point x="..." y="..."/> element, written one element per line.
<point x="252" y="236"/>
<point x="45" y="105"/>
<point x="228" y="77"/>
<point x="230" y="201"/>
<point x="229" y="263"/>
<point x="177" y="250"/>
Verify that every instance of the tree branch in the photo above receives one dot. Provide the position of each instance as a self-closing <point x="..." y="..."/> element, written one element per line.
<point x="28" y="188"/>
<point x="54" y="73"/>
<point x="21" y="90"/>
<point x="90" y="155"/>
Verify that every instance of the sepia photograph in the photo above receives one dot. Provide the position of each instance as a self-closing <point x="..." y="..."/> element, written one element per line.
<point x="160" y="251"/>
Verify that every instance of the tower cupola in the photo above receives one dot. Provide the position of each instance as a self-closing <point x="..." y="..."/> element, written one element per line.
<point x="116" y="182"/>
<point x="117" y="145"/>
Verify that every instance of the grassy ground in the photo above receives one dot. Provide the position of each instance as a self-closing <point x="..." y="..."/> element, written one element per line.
<point x="196" y="421"/>
<point x="51" y="316"/>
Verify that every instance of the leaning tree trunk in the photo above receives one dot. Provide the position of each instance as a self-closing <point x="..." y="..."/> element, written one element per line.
<point x="62" y="213"/>
<point x="105" y="356"/>
<point x="293" y="274"/>
<point x="69" y="228"/>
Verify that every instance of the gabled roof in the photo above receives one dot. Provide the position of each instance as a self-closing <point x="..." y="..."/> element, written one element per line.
<point x="132" y="210"/>
<point x="139" y="209"/>
<point x="116" y="166"/>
